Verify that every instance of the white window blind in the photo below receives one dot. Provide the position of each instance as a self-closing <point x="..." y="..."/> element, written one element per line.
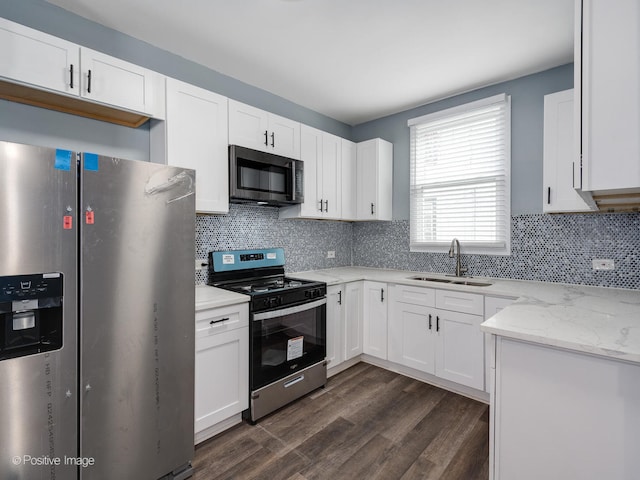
<point x="460" y="178"/>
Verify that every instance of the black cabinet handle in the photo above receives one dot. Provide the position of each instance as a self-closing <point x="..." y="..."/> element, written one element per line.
<point x="273" y="139"/>
<point x="382" y="294"/>
<point x="326" y="205"/>
<point x="71" y="75"/>
<point x="340" y="297"/>
<point x="372" y="209"/>
<point x="548" y="195"/>
<point x="437" y="323"/>
<point x="213" y="322"/>
<point x="429" y="321"/>
<point x="321" y="205"/>
<point x="266" y="138"/>
<point x="89" y="82"/>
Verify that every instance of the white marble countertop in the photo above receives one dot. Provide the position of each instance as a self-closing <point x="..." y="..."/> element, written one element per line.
<point x="212" y="297"/>
<point x="595" y="320"/>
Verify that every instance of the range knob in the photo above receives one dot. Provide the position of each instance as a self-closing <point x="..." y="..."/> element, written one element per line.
<point x="275" y="301"/>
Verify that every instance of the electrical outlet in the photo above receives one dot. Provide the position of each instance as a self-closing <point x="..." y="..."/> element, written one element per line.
<point x="603" y="264"/>
<point x="331" y="254"/>
<point x="201" y="263"/>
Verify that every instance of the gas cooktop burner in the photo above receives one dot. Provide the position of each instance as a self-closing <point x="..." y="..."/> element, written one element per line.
<point x="261" y="286"/>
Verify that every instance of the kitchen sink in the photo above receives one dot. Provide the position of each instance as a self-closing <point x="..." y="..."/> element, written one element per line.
<point x="470" y="283"/>
<point x="431" y="279"/>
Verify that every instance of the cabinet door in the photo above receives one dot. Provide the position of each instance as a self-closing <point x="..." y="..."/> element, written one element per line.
<point x="559" y="156"/>
<point x="375" y="180"/>
<point x="35" y="58"/>
<point x="221" y="377"/>
<point x="335" y="325"/>
<point x="331" y="153"/>
<point x="284" y="137"/>
<point x="375" y="319"/>
<point x="610" y="108"/>
<point x="353" y="319"/>
<point x="311" y="155"/>
<point x="460" y="348"/>
<point x="197" y="138"/>
<point x="367" y="180"/>
<point x="411" y="335"/>
<point x="114" y="82"/>
<point x="348" y="185"/>
<point x="248" y="126"/>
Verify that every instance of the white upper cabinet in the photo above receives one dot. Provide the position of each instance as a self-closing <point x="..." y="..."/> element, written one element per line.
<point x="45" y="63"/>
<point x="114" y="82"/>
<point x="254" y="128"/>
<point x="321" y="153"/>
<point x="35" y="58"/>
<point x="559" y="155"/>
<point x="374" y="180"/>
<point x="195" y="136"/>
<point x="348" y="180"/>
<point x="607" y="80"/>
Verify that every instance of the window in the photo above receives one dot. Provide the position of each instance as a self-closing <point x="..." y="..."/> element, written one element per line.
<point x="460" y="178"/>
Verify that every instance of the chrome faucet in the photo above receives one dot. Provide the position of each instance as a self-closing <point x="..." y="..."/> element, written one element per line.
<point x="452" y="249"/>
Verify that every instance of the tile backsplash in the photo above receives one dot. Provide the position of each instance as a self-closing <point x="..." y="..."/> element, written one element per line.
<point x="553" y="248"/>
<point x="305" y="242"/>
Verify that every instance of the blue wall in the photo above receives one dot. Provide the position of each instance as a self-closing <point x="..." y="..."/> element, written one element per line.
<point x="527" y="101"/>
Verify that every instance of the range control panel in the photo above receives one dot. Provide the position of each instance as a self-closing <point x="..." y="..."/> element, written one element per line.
<point x="28" y="287"/>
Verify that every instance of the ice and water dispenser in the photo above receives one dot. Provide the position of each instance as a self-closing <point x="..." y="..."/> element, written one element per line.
<point x="30" y="314"/>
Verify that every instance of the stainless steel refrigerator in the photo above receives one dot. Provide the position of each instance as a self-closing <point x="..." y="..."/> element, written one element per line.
<point x="96" y="316"/>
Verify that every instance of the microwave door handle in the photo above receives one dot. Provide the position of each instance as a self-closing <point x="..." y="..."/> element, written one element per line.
<point x="292" y="167"/>
<point x="289" y="311"/>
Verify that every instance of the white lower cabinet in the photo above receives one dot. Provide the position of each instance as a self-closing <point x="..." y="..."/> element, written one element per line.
<point x="375" y="319"/>
<point x="354" y="319"/>
<point x="344" y="323"/>
<point x="221" y="368"/>
<point x="460" y="348"/>
<point x="427" y="337"/>
<point x="335" y="325"/>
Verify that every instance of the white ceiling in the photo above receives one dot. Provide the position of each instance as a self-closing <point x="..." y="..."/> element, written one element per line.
<point x="352" y="60"/>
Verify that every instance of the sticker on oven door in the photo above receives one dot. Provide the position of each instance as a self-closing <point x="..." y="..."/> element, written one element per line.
<point x="228" y="259"/>
<point x="294" y="348"/>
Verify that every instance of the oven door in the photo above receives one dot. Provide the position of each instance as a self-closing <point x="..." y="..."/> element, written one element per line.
<point x="286" y="340"/>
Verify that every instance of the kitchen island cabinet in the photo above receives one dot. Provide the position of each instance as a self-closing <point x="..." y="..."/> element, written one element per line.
<point x="563" y="415"/>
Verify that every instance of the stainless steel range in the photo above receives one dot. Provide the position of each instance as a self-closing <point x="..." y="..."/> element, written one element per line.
<point x="287" y="326"/>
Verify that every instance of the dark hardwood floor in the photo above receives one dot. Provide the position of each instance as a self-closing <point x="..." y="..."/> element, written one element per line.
<point x="368" y="423"/>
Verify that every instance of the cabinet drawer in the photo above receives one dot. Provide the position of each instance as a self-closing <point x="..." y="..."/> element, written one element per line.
<point x="217" y="320"/>
<point x="414" y="295"/>
<point x="460" y="302"/>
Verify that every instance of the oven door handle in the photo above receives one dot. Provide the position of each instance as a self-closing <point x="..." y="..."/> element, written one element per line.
<point x="281" y="312"/>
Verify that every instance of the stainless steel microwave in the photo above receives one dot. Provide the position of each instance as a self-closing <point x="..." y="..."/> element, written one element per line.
<point x="264" y="178"/>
